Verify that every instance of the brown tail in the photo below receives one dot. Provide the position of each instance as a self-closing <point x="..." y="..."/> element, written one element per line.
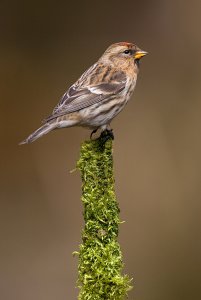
<point x="39" y="132"/>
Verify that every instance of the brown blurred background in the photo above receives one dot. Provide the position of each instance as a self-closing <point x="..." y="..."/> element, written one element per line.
<point x="45" y="46"/>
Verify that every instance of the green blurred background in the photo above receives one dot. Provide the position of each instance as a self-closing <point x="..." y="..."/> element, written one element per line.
<point x="45" y="46"/>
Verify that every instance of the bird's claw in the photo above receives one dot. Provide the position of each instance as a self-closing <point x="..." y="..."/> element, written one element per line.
<point x="94" y="131"/>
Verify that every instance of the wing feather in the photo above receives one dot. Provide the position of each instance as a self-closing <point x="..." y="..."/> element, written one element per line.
<point x="83" y="94"/>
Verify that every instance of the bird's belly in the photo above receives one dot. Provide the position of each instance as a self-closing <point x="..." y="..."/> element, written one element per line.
<point x="101" y="114"/>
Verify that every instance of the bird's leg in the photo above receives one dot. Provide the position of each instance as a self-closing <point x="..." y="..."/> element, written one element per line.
<point x="94" y="131"/>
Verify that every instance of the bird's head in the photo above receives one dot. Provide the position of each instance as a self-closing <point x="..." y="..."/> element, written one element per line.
<point x="123" y="53"/>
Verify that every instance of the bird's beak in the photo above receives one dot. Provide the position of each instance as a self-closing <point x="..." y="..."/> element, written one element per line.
<point x="139" y="54"/>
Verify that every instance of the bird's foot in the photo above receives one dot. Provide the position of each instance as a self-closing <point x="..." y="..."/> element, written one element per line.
<point x="106" y="135"/>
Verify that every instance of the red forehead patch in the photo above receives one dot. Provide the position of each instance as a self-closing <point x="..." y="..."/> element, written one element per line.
<point x="125" y="44"/>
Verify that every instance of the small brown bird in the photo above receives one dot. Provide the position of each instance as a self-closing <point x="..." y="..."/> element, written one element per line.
<point x="99" y="94"/>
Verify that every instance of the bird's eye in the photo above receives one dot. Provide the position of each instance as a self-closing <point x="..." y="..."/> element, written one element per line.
<point x="127" y="52"/>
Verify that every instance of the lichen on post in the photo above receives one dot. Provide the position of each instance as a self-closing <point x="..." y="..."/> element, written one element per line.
<point x="100" y="258"/>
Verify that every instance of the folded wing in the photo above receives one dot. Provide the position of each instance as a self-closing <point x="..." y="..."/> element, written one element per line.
<point x="82" y="95"/>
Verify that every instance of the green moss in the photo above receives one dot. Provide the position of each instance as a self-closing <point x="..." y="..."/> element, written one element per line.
<point x="100" y="258"/>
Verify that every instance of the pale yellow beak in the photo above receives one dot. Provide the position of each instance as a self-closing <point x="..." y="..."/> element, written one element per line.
<point x="139" y="54"/>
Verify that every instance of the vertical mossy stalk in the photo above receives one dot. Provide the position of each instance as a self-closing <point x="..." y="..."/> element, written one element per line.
<point x="100" y="258"/>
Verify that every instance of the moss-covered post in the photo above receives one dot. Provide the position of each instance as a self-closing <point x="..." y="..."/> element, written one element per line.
<point x="100" y="258"/>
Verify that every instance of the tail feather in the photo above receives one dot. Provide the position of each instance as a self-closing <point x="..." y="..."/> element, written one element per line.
<point x="39" y="132"/>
